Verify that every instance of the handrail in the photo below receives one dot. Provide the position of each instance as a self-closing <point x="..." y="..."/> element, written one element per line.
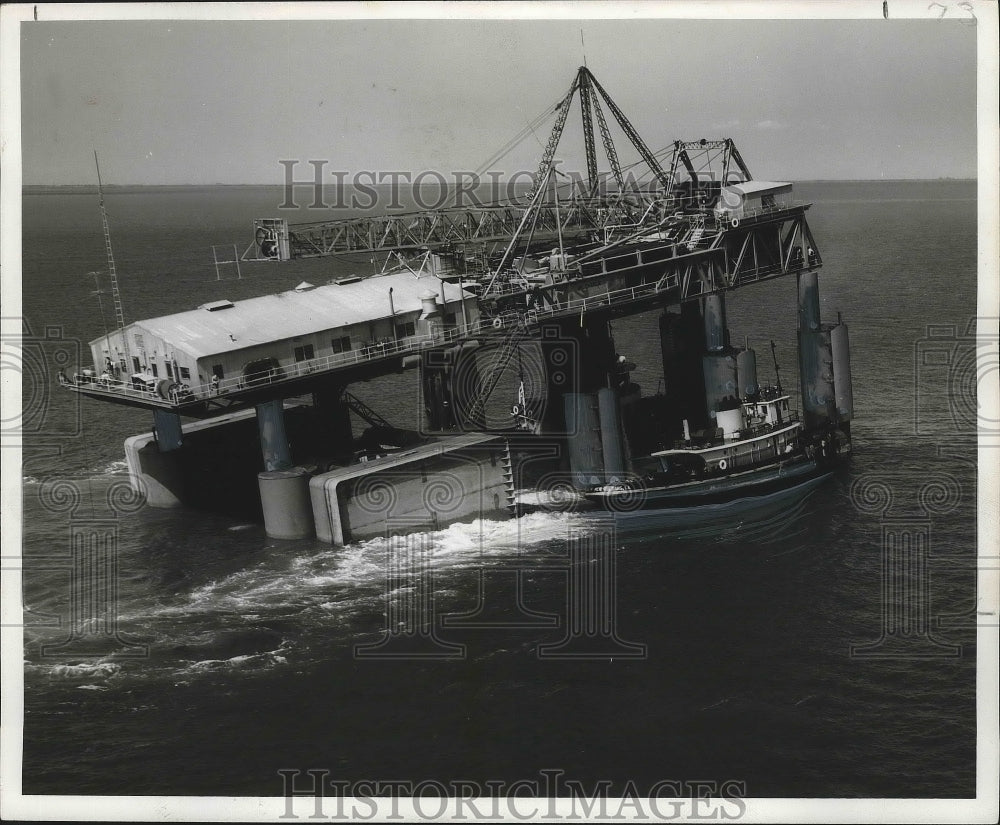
<point x="184" y="394"/>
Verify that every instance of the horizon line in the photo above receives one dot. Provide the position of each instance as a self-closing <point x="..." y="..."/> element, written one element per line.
<point x="309" y="183"/>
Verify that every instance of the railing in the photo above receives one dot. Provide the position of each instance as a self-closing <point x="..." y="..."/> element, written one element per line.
<point x="724" y="218"/>
<point x="170" y="393"/>
<point x="179" y="394"/>
<point x="790" y="417"/>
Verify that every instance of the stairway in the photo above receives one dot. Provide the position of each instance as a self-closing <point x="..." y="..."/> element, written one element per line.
<point x="507" y="463"/>
<point x="695" y="236"/>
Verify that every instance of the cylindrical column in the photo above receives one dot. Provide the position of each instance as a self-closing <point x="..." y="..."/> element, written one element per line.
<point x="465" y="382"/>
<point x="583" y="430"/>
<point x="721" y="381"/>
<point x="334" y="432"/>
<point x="682" y="344"/>
<point x="816" y="374"/>
<point x="809" y="316"/>
<point x="285" y="500"/>
<point x="715" y="322"/>
<point x="612" y="448"/>
<point x="273" y="441"/>
<point x="746" y="372"/>
<point x="842" y="387"/>
<point x="435" y="371"/>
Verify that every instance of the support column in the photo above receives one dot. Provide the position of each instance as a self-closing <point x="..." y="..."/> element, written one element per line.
<point x="746" y="372"/>
<point x="576" y="360"/>
<point x="559" y="361"/>
<point x="719" y="363"/>
<point x="334" y="432"/>
<point x="273" y="441"/>
<point x="715" y="322"/>
<point x="612" y="442"/>
<point x="464" y="382"/>
<point x="592" y="364"/>
<point x="809" y="316"/>
<point x="284" y="499"/>
<point x="435" y="386"/>
<point x="682" y="345"/>
<point x="583" y="438"/>
<point x="815" y="356"/>
<point x="843" y="391"/>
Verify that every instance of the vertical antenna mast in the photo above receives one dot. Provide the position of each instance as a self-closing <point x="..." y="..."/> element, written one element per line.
<point x="116" y="295"/>
<point x="777" y="376"/>
<point x="99" y="292"/>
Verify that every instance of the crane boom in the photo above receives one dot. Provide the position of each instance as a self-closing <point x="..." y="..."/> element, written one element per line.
<point x="550" y="148"/>
<point x="632" y="134"/>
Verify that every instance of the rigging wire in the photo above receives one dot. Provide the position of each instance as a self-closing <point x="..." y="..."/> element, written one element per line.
<point x="527" y="130"/>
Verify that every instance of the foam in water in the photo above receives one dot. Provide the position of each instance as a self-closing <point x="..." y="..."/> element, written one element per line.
<point x="84" y="670"/>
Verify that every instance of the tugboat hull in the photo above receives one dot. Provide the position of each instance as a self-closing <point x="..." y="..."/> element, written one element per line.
<point x="760" y="481"/>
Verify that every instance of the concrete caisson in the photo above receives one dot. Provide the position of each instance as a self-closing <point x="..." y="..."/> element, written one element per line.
<point x="746" y="371"/>
<point x="284" y="497"/>
<point x="842" y="388"/>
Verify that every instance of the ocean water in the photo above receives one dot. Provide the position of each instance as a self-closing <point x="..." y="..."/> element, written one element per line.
<point x="731" y="654"/>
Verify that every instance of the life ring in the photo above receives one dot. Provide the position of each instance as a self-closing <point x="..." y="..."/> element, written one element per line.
<point x="498" y="323"/>
<point x="722" y="464"/>
<point x="515" y="410"/>
<point x="735" y="222"/>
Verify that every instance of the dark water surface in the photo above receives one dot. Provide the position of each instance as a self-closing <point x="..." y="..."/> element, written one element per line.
<point x="748" y="617"/>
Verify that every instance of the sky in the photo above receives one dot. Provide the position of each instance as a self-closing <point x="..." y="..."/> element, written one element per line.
<point x="203" y="102"/>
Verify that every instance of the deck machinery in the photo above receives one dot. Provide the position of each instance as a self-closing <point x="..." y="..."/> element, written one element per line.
<point x="548" y="270"/>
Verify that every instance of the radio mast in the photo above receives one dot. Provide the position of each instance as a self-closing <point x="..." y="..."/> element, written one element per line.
<point x="116" y="295"/>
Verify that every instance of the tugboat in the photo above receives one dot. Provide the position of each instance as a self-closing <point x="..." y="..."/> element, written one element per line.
<point x="759" y="447"/>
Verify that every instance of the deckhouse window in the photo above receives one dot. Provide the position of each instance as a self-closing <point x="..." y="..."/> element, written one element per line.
<point x="304" y="353"/>
<point x="342" y="344"/>
<point x="406" y="329"/>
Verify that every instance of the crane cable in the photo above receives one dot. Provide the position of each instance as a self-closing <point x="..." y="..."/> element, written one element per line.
<point x="520" y="137"/>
